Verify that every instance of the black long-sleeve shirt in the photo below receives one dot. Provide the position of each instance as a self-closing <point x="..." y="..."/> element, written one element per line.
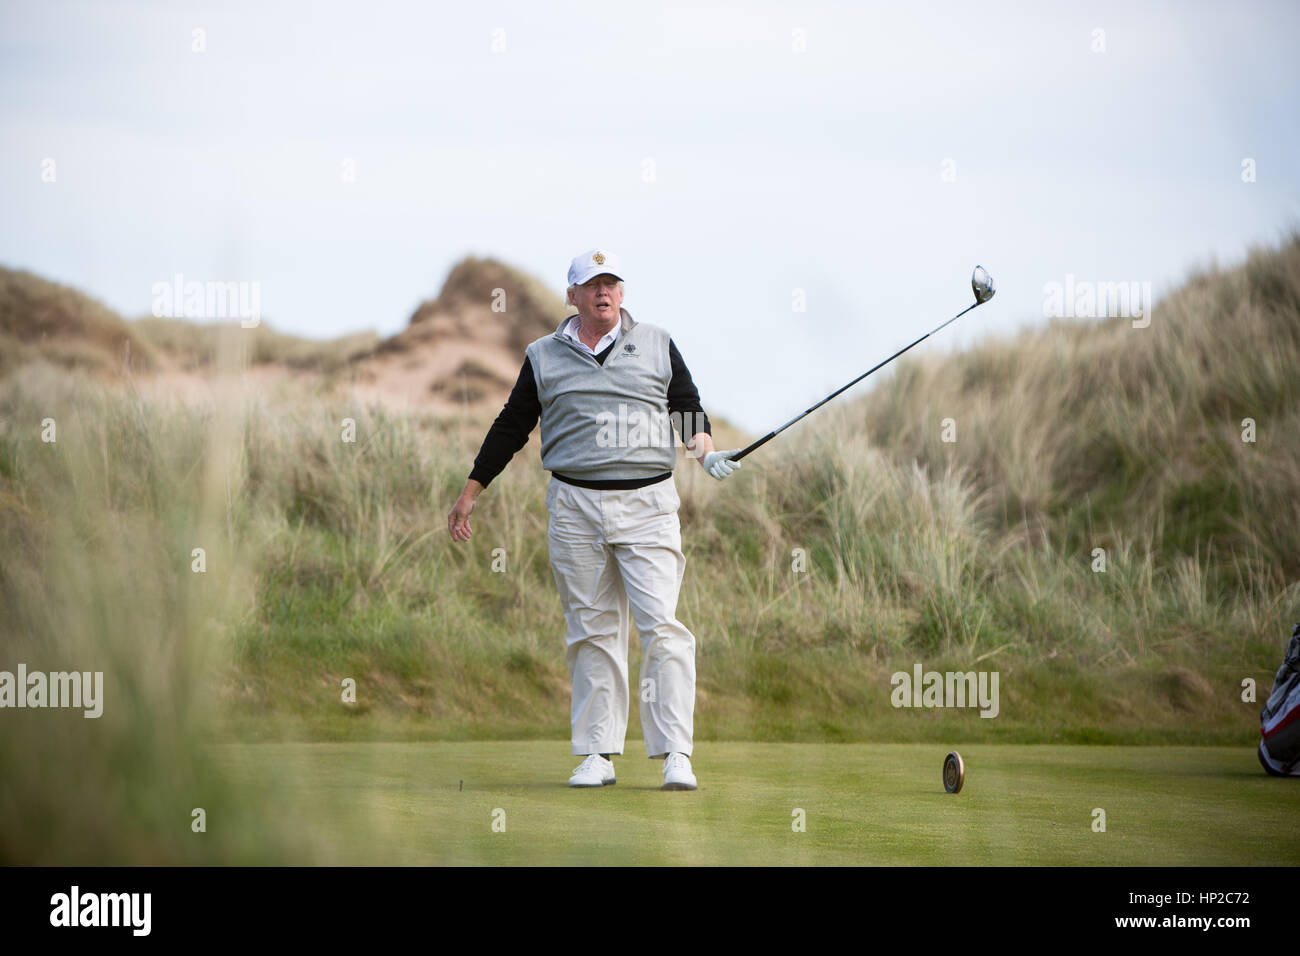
<point x="510" y="431"/>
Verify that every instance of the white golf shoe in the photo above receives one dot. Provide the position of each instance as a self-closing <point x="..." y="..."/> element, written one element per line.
<point x="595" y="771"/>
<point x="677" y="773"/>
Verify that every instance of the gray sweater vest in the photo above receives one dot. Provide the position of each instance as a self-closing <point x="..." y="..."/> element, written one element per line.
<point x="605" y="421"/>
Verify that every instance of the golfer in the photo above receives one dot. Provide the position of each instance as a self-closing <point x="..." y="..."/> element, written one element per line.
<point x="608" y="390"/>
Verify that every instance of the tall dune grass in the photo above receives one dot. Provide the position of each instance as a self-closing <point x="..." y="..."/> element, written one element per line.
<point x="96" y="533"/>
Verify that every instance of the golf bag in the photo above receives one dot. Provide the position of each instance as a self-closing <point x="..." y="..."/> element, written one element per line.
<point x="1279" y="750"/>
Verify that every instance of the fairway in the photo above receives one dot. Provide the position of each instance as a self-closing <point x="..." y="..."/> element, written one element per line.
<point x="864" y="804"/>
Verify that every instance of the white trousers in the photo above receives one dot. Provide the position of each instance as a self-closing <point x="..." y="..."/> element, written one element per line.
<point x="611" y="552"/>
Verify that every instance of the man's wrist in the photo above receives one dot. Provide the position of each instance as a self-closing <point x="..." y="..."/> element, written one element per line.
<point x="700" y="445"/>
<point x="473" y="488"/>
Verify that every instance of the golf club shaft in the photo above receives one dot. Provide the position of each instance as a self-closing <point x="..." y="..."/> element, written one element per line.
<point x="772" y="434"/>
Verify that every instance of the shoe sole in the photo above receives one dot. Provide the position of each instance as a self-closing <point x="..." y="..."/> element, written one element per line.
<point x="679" y="786"/>
<point x="592" y="786"/>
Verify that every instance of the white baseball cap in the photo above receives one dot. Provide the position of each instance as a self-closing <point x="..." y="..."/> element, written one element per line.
<point x="593" y="263"/>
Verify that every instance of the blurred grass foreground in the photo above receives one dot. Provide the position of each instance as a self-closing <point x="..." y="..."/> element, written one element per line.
<point x="230" y="566"/>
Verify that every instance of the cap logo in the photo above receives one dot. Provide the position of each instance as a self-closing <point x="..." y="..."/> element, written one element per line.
<point x="598" y="258"/>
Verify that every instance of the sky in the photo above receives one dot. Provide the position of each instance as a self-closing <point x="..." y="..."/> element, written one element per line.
<point x="796" y="190"/>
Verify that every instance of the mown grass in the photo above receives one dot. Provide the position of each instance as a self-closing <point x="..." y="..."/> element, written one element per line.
<point x="857" y="804"/>
<point x="857" y="546"/>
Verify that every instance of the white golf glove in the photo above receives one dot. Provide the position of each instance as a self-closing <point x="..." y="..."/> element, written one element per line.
<point x="717" y="464"/>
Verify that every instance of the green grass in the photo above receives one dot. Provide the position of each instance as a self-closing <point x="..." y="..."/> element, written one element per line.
<point x="864" y="804"/>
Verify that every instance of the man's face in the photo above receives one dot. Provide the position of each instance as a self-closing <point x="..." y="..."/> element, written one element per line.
<point x="599" y="299"/>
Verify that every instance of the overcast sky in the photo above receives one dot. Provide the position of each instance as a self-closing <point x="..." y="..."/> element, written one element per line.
<point x="868" y="155"/>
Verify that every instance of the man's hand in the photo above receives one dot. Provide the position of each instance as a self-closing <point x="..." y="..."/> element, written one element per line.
<point x="715" y="463"/>
<point x="458" y="518"/>
<point x="718" y="464"/>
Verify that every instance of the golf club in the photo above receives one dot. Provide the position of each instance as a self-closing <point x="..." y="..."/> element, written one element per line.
<point x="982" y="285"/>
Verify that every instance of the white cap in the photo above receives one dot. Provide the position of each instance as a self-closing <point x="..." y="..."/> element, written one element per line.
<point x="593" y="263"/>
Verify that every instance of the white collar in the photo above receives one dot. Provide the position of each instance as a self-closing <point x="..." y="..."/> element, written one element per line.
<point x="606" y="339"/>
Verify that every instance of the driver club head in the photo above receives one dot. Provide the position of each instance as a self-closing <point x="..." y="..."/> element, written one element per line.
<point x="982" y="284"/>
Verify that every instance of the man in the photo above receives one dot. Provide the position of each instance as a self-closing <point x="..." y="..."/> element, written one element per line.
<point x="604" y="387"/>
